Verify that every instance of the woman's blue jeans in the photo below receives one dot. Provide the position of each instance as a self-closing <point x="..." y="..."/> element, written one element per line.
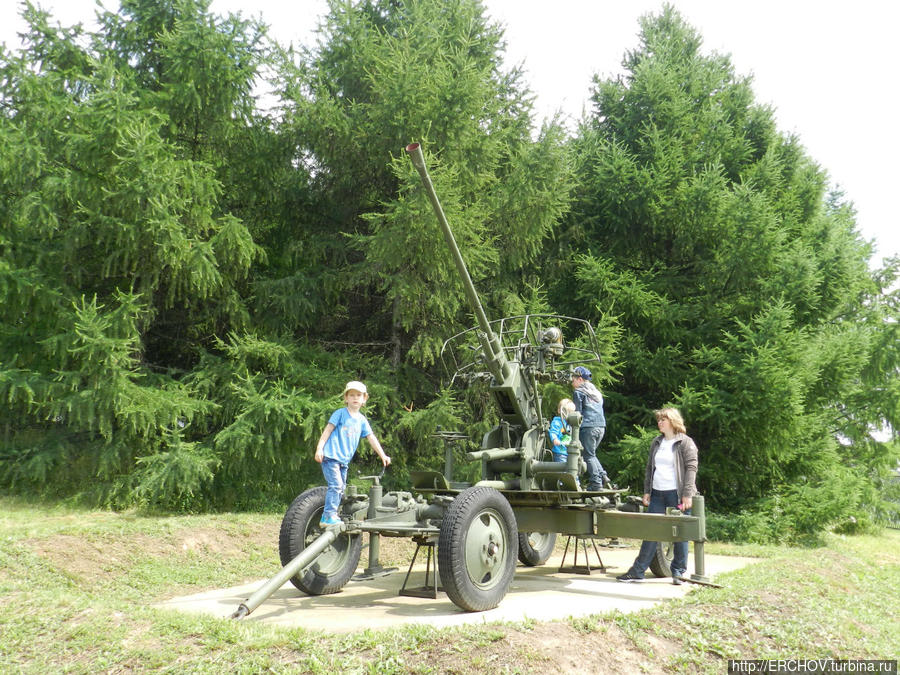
<point x="336" y="478"/>
<point x="659" y="500"/>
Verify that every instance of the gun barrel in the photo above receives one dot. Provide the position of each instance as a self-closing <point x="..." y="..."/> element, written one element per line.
<point x="303" y="559"/>
<point x="490" y="342"/>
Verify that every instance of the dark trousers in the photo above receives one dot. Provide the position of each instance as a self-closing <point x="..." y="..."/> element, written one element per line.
<point x="659" y="500"/>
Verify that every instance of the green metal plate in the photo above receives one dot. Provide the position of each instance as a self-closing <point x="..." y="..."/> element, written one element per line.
<point x="428" y="480"/>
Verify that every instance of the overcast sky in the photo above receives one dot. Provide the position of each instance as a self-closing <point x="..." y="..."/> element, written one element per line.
<point x="829" y="69"/>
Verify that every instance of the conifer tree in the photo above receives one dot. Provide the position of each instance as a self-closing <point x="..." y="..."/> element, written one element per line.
<point x="172" y="257"/>
<point x="386" y="74"/>
<point x="117" y="262"/>
<point x="741" y="285"/>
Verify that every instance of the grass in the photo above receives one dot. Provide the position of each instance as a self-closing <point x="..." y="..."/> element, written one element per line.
<point x="78" y="590"/>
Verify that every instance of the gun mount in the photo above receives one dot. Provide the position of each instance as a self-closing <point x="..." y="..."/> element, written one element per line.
<point x="521" y="502"/>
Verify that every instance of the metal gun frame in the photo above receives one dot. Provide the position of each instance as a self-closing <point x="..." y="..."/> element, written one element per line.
<point x="519" y="505"/>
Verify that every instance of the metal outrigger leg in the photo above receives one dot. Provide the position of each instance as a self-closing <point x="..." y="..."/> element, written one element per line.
<point x="375" y="569"/>
<point x="575" y="568"/>
<point x="430" y="589"/>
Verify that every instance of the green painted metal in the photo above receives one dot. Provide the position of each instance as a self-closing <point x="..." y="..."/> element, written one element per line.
<point x="538" y="539"/>
<point x="698" y="508"/>
<point x="486" y="543"/>
<point x="571" y="518"/>
<point x="650" y="526"/>
<point x="540" y="498"/>
<point x="313" y="553"/>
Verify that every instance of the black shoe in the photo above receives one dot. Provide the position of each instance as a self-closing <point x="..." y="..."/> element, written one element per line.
<point x="628" y="577"/>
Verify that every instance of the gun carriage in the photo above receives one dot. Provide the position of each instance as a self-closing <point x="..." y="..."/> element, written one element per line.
<point x="523" y="499"/>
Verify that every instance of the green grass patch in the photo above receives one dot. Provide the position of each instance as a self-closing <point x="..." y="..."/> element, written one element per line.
<point x="79" y="588"/>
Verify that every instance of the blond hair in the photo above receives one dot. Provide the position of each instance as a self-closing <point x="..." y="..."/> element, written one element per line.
<point x="566" y="407"/>
<point x="673" y="416"/>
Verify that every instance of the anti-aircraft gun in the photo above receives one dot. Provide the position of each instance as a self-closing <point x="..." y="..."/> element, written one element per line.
<point x="522" y="500"/>
<point x="516" y="354"/>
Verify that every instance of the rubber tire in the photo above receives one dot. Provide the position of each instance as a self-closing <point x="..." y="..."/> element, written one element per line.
<point x="299" y="528"/>
<point x="661" y="564"/>
<point x="479" y="517"/>
<point x="535" y="548"/>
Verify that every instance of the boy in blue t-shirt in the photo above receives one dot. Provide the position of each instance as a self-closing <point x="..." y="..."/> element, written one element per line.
<point x="338" y="444"/>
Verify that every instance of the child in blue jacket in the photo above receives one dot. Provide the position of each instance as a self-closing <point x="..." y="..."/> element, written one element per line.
<point x="560" y="431"/>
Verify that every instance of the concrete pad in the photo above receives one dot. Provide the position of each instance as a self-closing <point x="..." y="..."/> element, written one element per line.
<point x="537" y="593"/>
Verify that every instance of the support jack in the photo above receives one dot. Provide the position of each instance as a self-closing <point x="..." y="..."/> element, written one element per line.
<point x="430" y="589"/>
<point x="575" y="568"/>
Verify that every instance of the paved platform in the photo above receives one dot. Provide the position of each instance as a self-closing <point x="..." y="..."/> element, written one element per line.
<point x="536" y="593"/>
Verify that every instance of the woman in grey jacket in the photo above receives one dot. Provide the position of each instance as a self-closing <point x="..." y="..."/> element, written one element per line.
<point x="670" y="480"/>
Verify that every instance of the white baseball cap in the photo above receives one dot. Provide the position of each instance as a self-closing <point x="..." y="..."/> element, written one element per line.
<point x="355" y="385"/>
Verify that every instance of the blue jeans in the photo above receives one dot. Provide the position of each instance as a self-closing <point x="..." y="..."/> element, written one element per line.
<point x="336" y="478"/>
<point x="659" y="500"/>
<point x="590" y="438"/>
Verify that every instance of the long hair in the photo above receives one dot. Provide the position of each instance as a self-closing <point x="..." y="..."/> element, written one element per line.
<point x="674" y="417"/>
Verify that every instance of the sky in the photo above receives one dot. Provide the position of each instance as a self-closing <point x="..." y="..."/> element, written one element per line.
<point x="828" y="69"/>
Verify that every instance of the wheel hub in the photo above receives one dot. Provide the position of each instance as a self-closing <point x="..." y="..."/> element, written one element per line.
<point x="486" y="549"/>
<point x="491" y="553"/>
